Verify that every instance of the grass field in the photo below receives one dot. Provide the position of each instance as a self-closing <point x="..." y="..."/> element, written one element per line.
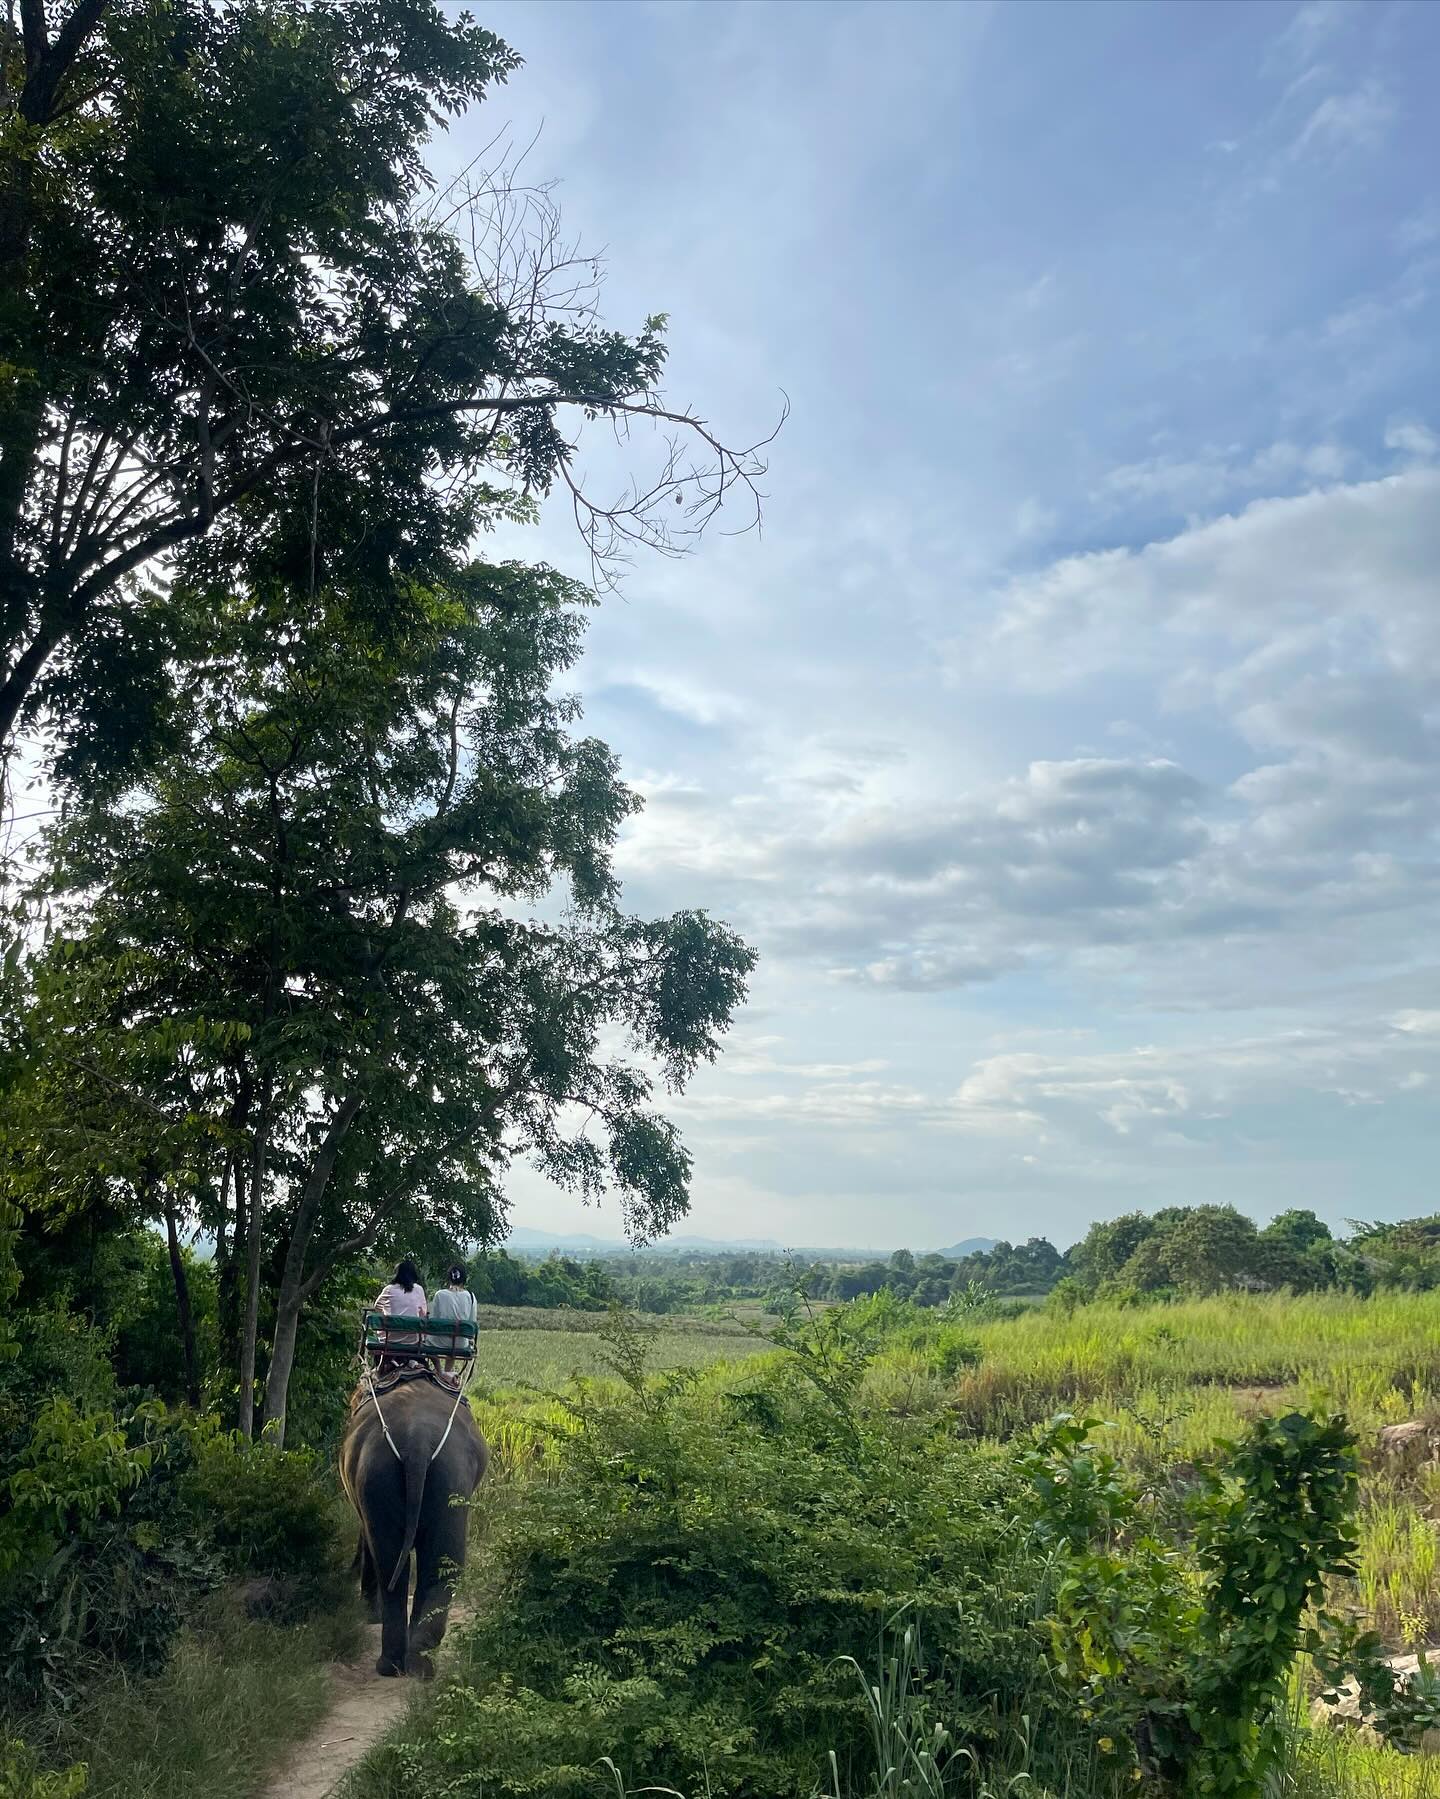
<point x="192" y="1729"/>
<point x="1174" y="1380"/>
<point x="525" y="1355"/>
<point x="1367" y="1355"/>
<point x="540" y="1356"/>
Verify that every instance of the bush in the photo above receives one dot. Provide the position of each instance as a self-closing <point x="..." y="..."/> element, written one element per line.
<point x="22" y="1777"/>
<point x="116" y="1518"/>
<point x="269" y="1511"/>
<point x="1182" y="1643"/>
<point x="59" y="1356"/>
<point x="98" y="1555"/>
<point x="678" y="1595"/>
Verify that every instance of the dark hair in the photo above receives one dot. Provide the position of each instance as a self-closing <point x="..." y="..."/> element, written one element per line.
<point x="457" y="1274"/>
<point x="407" y="1275"/>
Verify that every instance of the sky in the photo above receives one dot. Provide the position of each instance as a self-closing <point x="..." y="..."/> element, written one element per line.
<point x="1067" y="741"/>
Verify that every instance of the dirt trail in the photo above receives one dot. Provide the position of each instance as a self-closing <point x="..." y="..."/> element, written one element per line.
<point x="362" y="1708"/>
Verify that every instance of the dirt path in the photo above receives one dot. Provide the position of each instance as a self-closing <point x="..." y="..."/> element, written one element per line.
<point x="362" y="1708"/>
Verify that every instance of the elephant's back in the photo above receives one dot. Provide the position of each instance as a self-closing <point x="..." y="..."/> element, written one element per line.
<point x="417" y="1419"/>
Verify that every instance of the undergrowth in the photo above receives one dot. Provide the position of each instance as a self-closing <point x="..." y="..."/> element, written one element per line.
<point x="235" y="1693"/>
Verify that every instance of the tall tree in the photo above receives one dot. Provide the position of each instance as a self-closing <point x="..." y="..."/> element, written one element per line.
<point x="234" y="312"/>
<point x="321" y="901"/>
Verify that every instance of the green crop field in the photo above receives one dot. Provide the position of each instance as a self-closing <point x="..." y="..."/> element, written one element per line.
<point x="520" y="1357"/>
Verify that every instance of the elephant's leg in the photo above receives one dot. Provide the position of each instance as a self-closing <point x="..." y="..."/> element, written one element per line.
<point x="435" y="1575"/>
<point x="369" y="1581"/>
<point x="440" y="1557"/>
<point x="393" y="1635"/>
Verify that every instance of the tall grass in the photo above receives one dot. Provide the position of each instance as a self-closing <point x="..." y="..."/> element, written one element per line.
<point x="235" y="1696"/>
<point x="1173" y="1380"/>
<point x="1348" y="1351"/>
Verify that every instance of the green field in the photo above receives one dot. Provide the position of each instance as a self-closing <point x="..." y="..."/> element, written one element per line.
<point x="545" y="1353"/>
<point x="1176" y="1379"/>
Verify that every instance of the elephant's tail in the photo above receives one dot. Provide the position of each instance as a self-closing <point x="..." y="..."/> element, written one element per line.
<point x="416" y="1468"/>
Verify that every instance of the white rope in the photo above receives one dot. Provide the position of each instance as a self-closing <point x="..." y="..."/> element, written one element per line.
<point x="459" y="1395"/>
<point x="370" y="1382"/>
<point x="449" y="1423"/>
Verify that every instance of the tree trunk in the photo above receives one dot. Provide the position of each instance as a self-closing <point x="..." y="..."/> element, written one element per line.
<point x="229" y="1235"/>
<point x="293" y="1286"/>
<point x="251" y="1331"/>
<point x="229" y="1252"/>
<point x="182" y="1300"/>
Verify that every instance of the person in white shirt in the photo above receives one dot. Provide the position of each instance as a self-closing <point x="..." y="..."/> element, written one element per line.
<point x="454" y="1301"/>
<point x="403" y="1297"/>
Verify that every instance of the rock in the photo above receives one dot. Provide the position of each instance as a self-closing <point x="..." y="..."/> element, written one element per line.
<point x="1409" y="1445"/>
<point x="1345" y="1714"/>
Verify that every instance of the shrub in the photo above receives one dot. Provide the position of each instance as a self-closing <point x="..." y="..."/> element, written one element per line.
<point x="269" y="1511"/>
<point x="98" y="1556"/>
<point x="1182" y="1646"/>
<point x="59" y="1356"/>
<point x="679" y="1594"/>
<point x="116" y="1518"/>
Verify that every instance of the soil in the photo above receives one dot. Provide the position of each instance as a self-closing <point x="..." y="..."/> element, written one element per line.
<point x="363" y="1706"/>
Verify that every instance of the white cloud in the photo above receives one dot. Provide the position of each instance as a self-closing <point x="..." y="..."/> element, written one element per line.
<point x="1364" y="556"/>
<point x="1307" y="30"/>
<point x="1304" y="631"/>
<point x="1212" y="477"/>
<point x="1418" y="1023"/>
<point x="1357" y="120"/>
<point x="684" y="698"/>
<point x="1413" y="438"/>
<point x="1150" y="1100"/>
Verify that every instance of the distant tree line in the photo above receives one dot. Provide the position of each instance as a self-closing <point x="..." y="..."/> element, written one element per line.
<point x="1214" y="1249"/>
<point x="1139" y="1256"/>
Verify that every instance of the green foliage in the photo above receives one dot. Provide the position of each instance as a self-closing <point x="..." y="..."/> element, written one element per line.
<point x="100" y="1556"/>
<point x="117" y="1518"/>
<point x="499" y="1279"/>
<point x="23" y="1777"/>
<point x="1406" y="1254"/>
<point x="76" y="1470"/>
<point x="268" y="1510"/>
<point x="342" y="365"/>
<point x="1139" y="1259"/>
<point x="677" y="1593"/>
<point x="90" y="1267"/>
<point x="1184" y="1643"/>
<point x="280" y="917"/>
<point x="909" y="1745"/>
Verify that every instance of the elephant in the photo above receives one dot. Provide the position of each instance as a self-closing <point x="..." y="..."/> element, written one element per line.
<point x="404" y="1486"/>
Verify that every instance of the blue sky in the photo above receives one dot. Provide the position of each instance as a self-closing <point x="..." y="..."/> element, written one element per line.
<point x="1068" y="742"/>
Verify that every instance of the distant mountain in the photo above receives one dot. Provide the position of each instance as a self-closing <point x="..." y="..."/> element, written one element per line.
<point x="523" y="1238"/>
<point x="524" y="1241"/>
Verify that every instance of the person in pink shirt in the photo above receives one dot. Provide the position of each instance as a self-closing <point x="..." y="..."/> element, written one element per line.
<point x="404" y="1297"/>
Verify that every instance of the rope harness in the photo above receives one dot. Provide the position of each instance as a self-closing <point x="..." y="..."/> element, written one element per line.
<point x="449" y="1422"/>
